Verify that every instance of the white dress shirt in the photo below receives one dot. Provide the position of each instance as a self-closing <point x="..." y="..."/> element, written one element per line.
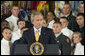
<point x="58" y="34"/>
<point x="62" y="15"/>
<point x="16" y="35"/>
<point x="38" y="32"/>
<point x="5" y="48"/>
<point x="13" y="22"/>
<point x="67" y="32"/>
<point x="79" y="49"/>
<point x="50" y="25"/>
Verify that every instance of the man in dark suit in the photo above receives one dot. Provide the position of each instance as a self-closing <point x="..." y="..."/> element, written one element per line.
<point x="46" y="35"/>
<point x="62" y="40"/>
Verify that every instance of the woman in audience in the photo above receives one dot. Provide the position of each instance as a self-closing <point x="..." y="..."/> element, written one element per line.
<point x="78" y="47"/>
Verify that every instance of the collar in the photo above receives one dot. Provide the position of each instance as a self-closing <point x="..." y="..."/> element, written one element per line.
<point x="14" y="17"/>
<point x="66" y="15"/>
<point x="36" y="29"/>
<point x="52" y="21"/>
<point x="81" y="26"/>
<point x="78" y="44"/>
<point x="4" y="40"/>
<point x="57" y="34"/>
<point x="65" y="28"/>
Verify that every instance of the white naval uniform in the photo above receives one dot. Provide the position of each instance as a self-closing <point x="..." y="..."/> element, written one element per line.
<point x="16" y="35"/>
<point x="50" y="25"/>
<point x="79" y="49"/>
<point x="13" y="22"/>
<point x="67" y="32"/>
<point x="5" y="48"/>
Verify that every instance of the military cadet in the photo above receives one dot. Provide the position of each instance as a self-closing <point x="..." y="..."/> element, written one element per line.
<point x="13" y="18"/>
<point x="63" y="41"/>
<point x="21" y="28"/>
<point x="4" y="24"/>
<point x="67" y="32"/>
<point x="50" y="19"/>
<point x="71" y="19"/>
<point x="81" y="9"/>
<point x="5" y="42"/>
<point x="80" y="22"/>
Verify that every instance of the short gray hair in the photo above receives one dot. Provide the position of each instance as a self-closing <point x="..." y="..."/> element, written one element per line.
<point x="34" y="14"/>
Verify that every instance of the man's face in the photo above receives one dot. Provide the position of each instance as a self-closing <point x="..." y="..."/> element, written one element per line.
<point x="21" y="24"/>
<point x="37" y="22"/>
<point x="64" y="22"/>
<point x="15" y="11"/>
<point x="82" y="8"/>
<point x="57" y="28"/>
<point x="66" y="9"/>
<point x="50" y="16"/>
<point x="80" y="20"/>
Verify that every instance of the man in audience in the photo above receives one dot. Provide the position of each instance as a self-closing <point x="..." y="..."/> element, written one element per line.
<point x="62" y="40"/>
<point x="81" y="9"/>
<point x="5" y="42"/>
<point x="13" y="18"/>
<point x="67" y="13"/>
<point x="80" y="22"/>
<point x="4" y="24"/>
<point x="67" y="32"/>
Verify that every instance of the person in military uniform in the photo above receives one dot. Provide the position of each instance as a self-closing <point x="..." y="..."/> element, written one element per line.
<point x="80" y="22"/>
<point x="62" y="40"/>
<point x="71" y="19"/>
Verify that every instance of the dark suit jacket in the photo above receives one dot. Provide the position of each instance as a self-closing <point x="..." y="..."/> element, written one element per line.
<point x="64" y="46"/>
<point x="47" y="36"/>
<point x="82" y="33"/>
<point x="72" y="23"/>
